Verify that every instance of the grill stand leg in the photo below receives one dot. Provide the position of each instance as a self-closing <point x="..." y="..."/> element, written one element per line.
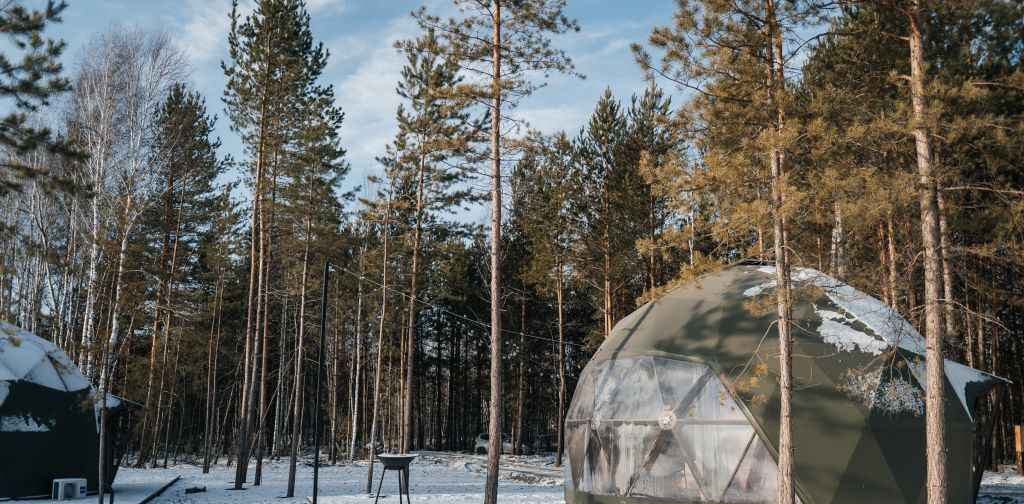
<point x="382" y="472"/>
<point x="408" y="498"/>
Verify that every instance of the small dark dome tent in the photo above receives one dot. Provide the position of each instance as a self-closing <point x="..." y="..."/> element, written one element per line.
<point x="680" y="403"/>
<point x="49" y="418"/>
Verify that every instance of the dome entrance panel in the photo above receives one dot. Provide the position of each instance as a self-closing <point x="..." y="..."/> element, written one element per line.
<point x="646" y="426"/>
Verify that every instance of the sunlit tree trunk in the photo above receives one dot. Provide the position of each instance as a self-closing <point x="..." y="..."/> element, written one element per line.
<point x="776" y="78"/>
<point x="935" y="422"/>
<point x="494" y="422"/>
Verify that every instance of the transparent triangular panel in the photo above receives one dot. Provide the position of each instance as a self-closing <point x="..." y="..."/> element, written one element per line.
<point x="713" y="402"/>
<point x="756" y="479"/>
<point x="627" y="390"/>
<point x="582" y="405"/>
<point x="577" y="438"/>
<point x="666" y="473"/>
<point x="717" y="450"/>
<point x="676" y="378"/>
<point x="616" y="458"/>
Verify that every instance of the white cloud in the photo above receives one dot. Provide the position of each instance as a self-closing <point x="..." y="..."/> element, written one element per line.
<point x="327" y="6"/>
<point x="205" y="26"/>
<point x="550" y="119"/>
<point x="367" y="94"/>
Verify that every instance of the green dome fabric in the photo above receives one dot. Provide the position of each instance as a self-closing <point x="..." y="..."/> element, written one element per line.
<point x="680" y="403"/>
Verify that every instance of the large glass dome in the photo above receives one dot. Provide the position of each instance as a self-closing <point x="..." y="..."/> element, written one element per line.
<point x="681" y="402"/>
<point x="654" y="427"/>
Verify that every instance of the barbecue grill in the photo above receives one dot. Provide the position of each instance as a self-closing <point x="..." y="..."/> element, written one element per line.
<point x="396" y="462"/>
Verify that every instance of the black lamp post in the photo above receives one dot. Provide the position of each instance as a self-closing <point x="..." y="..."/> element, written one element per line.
<point x="319" y="380"/>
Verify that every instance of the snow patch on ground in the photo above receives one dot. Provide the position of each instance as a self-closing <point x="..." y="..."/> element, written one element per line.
<point x="1003" y="487"/>
<point x="757" y="290"/>
<point x="434" y="477"/>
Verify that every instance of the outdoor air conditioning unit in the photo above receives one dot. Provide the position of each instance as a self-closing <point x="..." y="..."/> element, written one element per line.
<point x="68" y="489"/>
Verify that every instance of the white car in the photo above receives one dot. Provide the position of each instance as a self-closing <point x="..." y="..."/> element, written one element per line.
<point x="482" y="439"/>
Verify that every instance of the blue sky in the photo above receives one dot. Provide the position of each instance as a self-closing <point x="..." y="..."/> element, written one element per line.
<point x="364" y="67"/>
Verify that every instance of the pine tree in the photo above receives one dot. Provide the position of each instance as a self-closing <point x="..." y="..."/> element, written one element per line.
<point x="654" y="145"/>
<point x="545" y="184"/>
<point x="606" y="198"/>
<point x="30" y="76"/>
<point x="435" y="147"/>
<point x="503" y="44"/>
<point x="314" y="167"/>
<point x="733" y="55"/>
<point x="186" y="199"/>
<point x="273" y="70"/>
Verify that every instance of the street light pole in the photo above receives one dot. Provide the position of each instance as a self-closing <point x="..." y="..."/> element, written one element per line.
<point x="319" y="380"/>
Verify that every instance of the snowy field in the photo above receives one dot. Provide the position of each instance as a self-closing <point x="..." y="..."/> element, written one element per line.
<point x="434" y="477"/>
<point x="1003" y="487"/>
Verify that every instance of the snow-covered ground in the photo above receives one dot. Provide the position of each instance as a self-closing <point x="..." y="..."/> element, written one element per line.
<point x="1003" y="487"/>
<point x="434" y="477"/>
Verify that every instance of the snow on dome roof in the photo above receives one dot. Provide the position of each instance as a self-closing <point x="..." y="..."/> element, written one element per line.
<point x="882" y="319"/>
<point x="25" y="356"/>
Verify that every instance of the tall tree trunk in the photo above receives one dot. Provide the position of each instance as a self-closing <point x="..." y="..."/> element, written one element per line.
<point x="776" y="84"/>
<point x="257" y="478"/>
<point x="606" y="244"/>
<point x="947" y="270"/>
<point x="170" y="401"/>
<point x="410" y="326"/>
<point x="935" y="422"/>
<point x="265" y="336"/>
<point x="840" y="256"/>
<point x="332" y="382"/>
<point x="521" y="385"/>
<point x="281" y="401"/>
<point x="357" y="343"/>
<point x="211" y="377"/>
<point x="157" y="317"/>
<point x="494" y="423"/>
<point x="561" y="365"/>
<point x="92" y="284"/>
<point x="297" y="387"/>
<point x="248" y="412"/>
<point x="380" y="348"/>
<point x="255" y="287"/>
<point x="106" y="361"/>
<point x="890" y="243"/>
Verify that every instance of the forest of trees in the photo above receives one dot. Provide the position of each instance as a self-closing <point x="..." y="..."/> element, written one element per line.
<point x="881" y="141"/>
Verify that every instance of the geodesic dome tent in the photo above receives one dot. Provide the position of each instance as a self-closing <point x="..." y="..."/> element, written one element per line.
<point x="680" y="403"/>
<point x="49" y="418"/>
